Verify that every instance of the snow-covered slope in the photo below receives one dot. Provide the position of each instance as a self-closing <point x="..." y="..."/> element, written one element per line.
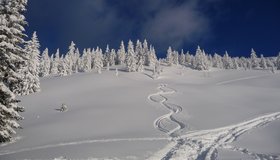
<point x="185" y="114"/>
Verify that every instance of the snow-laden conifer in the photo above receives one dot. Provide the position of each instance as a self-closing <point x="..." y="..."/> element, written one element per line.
<point x="62" y="67"/>
<point x="169" y="56"/>
<point x="54" y="63"/>
<point x="31" y="83"/>
<point x="254" y="59"/>
<point x="263" y="64"/>
<point x="121" y="54"/>
<point x="45" y="63"/>
<point x="106" y="56"/>
<point x="112" y="57"/>
<point x="86" y="61"/>
<point x="217" y="61"/>
<point x="175" y="57"/>
<point x="68" y="63"/>
<point x="227" y="61"/>
<point x="200" y="60"/>
<point x="71" y="58"/>
<point x="188" y="58"/>
<point x="98" y="60"/>
<point x="139" y="57"/>
<point x="76" y="61"/>
<point x="182" y="58"/>
<point x="147" y="54"/>
<point x="278" y="62"/>
<point x="130" y="58"/>
<point x="12" y="61"/>
<point x="151" y="57"/>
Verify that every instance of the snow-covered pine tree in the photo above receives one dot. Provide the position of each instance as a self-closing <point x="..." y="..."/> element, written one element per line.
<point x="69" y="59"/>
<point x="278" y="62"/>
<point x="62" y="67"/>
<point x="106" y="57"/>
<point x="147" y="54"/>
<point x="45" y="63"/>
<point x="175" y="57"/>
<point x="112" y="58"/>
<point x="12" y="21"/>
<point x="76" y="61"/>
<point x="31" y="71"/>
<point x="54" y="63"/>
<point x="151" y="57"/>
<point x="158" y="68"/>
<point x="169" y="56"/>
<point x="263" y="64"/>
<point x="98" y="60"/>
<point x="188" y="58"/>
<point x="227" y="61"/>
<point x="121" y="54"/>
<point x="269" y="63"/>
<point x="86" y="62"/>
<point x="68" y="63"/>
<point x="93" y="54"/>
<point x="51" y="61"/>
<point x="206" y="60"/>
<point x="9" y="113"/>
<point x="130" y="58"/>
<point x="72" y="57"/>
<point x="217" y="61"/>
<point x="243" y="62"/>
<point x="182" y="58"/>
<point x="210" y="60"/>
<point x="235" y="63"/>
<point x="248" y="64"/>
<point x="139" y="57"/>
<point x="199" y="62"/>
<point x="254" y="59"/>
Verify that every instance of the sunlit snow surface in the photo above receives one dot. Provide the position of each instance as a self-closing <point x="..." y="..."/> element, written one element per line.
<point x="184" y="114"/>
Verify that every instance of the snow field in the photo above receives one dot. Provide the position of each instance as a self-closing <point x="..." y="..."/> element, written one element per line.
<point x="131" y="116"/>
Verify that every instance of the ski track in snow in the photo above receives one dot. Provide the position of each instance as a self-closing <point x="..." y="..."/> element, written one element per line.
<point x="239" y="79"/>
<point x="258" y="156"/>
<point x="83" y="142"/>
<point x="193" y="145"/>
<point x="159" y="97"/>
<point x="203" y="144"/>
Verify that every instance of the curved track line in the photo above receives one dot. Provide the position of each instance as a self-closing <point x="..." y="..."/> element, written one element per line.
<point x="253" y="154"/>
<point x="82" y="142"/>
<point x="203" y="144"/>
<point x="158" y="124"/>
<point x="239" y="79"/>
<point x="159" y="97"/>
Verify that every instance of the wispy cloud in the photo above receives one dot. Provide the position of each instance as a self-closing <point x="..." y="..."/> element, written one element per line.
<point x="176" y="24"/>
<point x="162" y="22"/>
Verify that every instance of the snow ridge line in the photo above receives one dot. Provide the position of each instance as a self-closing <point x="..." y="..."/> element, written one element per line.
<point x="253" y="154"/>
<point x="203" y="144"/>
<point x="159" y="97"/>
<point x="83" y="142"/>
<point x="239" y="79"/>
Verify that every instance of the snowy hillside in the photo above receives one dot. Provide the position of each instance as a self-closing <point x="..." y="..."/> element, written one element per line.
<point x="184" y="114"/>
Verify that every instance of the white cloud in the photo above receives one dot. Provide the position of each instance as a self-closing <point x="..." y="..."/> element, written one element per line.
<point x="162" y="22"/>
<point x="176" y="25"/>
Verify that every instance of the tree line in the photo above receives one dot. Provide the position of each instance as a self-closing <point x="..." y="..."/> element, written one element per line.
<point x="203" y="61"/>
<point x="134" y="58"/>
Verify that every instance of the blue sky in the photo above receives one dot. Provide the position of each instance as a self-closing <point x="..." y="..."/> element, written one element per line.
<point x="215" y="25"/>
